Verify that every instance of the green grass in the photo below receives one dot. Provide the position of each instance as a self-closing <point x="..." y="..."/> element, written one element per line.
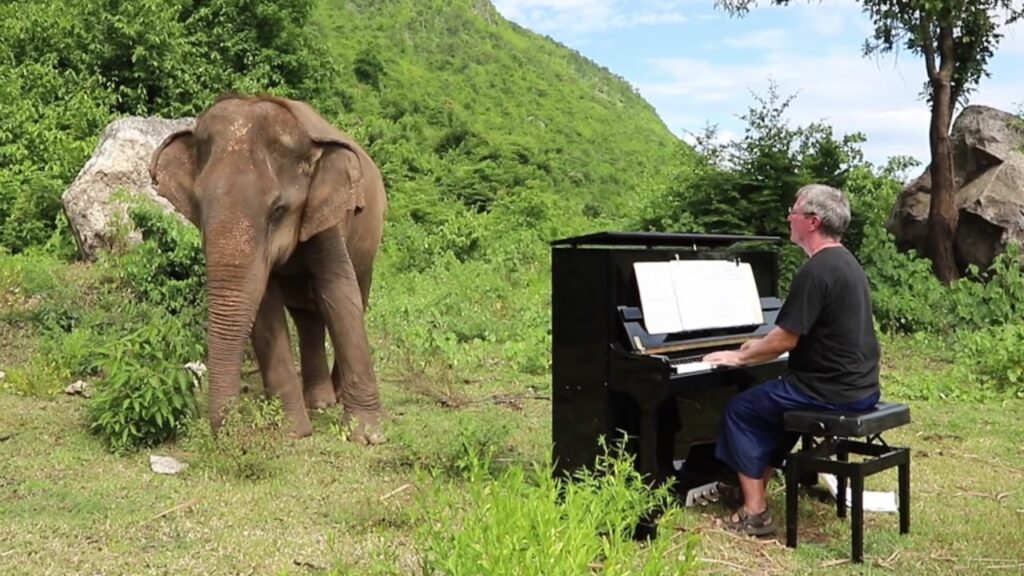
<point x="464" y="440"/>
<point x="69" y="506"/>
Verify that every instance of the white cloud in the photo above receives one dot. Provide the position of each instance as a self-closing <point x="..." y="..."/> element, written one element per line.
<point x="1013" y="40"/>
<point x="770" y="39"/>
<point x="826" y="23"/>
<point x="848" y="92"/>
<point x="574" y="18"/>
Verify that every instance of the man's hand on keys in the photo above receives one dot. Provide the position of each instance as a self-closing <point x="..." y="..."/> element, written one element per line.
<point x="723" y="358"/>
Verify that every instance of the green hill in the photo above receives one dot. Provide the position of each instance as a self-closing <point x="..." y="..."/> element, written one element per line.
<point x="462" y="85"/>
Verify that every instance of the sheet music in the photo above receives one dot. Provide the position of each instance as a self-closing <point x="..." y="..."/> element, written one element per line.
<point x="658" y="297"/>
<point x="684" y="295"/>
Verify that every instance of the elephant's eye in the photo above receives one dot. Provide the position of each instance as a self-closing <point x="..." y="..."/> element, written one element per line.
<point x="278" y="212"/>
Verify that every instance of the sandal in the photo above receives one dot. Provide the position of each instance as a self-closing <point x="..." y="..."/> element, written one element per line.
<point x="750" y="524"/>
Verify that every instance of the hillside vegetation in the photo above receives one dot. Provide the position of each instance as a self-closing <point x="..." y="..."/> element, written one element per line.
<point x="493" y="141"/>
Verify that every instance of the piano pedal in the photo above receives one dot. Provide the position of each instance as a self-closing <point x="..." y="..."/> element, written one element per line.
<point x="702" y="495"/>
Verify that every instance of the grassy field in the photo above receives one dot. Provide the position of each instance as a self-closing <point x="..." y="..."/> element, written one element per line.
<point x="325" y="506"/>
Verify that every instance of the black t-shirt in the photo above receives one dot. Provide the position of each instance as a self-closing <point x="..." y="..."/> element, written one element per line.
<point x="829" y="306"/>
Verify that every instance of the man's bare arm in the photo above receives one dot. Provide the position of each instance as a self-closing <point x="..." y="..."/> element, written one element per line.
<point x="774" y="344"/>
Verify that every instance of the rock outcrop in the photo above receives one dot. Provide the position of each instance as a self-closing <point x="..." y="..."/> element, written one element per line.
<point x="119" y="163"/>
<point x="988" y="171"/>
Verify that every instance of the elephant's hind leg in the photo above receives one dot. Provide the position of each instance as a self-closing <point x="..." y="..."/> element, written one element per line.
<point x="274" y="355"/>
<point x="316" y="378"/>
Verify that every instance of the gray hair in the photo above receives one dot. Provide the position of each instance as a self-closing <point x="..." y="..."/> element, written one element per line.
<point x="829" y="205"/>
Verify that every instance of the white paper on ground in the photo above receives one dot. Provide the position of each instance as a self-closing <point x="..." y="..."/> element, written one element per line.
<point x="873" y="501"/>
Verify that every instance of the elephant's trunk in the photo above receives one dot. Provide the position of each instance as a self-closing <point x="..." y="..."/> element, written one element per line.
<point x="236" y="280"/>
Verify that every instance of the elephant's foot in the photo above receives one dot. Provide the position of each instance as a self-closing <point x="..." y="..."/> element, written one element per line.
<point x="364" y="428"/>
<point x="320" y="394"/>
<point x="302" y="428"/>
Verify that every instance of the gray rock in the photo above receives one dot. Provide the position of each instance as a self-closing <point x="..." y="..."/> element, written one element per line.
<point x="78" y="388"/>
<point x="988" y="171"/>
<point x="165" y="464"/>
<point x="120" y="162"/>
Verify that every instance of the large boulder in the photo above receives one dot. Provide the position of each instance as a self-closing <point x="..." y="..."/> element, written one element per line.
<point x="119" y="163"/>
<point x="988" y="173"/>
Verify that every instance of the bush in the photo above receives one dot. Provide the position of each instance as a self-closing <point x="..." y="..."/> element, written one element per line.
<point x="991" y="298"/>
<point x="526" y="522"/>
<point x="249" y="443"/>
<point x="168" y="269"/>
<point x="993" y="358"/>
<point x="905" y="295"/>
<point x="145" y="395"/>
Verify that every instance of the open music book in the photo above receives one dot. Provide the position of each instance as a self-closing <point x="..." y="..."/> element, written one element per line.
<point x="686" y="295"/>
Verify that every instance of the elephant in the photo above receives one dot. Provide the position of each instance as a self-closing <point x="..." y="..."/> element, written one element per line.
<point x="291" y="213"/>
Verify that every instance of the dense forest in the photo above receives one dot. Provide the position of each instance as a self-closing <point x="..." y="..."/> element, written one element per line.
<point x="493" y="141"/>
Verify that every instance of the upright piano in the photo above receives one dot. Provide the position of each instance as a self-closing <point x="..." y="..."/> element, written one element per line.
<point x="612" y="378"/>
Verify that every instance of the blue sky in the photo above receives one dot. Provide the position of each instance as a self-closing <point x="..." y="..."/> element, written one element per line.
<point x="696" y="65"/>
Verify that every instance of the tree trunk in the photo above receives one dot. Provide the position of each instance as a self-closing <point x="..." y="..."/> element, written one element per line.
<point x="943" y="214"/>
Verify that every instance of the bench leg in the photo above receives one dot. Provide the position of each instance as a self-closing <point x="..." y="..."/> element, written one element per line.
<point x="792" y="483"/>
<point x="904" y="481"/>
<point x="857" y="517"/>
<point x="807" y="478"/>
<point x="842" y="455"/>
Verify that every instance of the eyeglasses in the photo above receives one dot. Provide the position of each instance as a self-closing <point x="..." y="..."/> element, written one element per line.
<point x="792" y="211"/>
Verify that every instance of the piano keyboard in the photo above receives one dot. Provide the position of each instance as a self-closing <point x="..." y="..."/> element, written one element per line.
<point x="688" y="366"/>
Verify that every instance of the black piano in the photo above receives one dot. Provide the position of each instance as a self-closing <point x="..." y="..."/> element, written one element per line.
<point x="612" y="378"/>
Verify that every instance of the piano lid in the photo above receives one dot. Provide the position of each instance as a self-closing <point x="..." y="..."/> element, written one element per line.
<point x="665" y="239"/>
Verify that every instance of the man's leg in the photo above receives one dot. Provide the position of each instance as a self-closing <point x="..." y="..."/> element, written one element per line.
<point x="753" y="494"/>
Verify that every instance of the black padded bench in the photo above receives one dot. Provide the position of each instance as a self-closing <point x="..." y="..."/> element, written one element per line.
<point x="826" y="434"/>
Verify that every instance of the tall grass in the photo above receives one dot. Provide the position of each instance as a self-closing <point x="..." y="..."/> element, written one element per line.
<point x="525" y="521"/>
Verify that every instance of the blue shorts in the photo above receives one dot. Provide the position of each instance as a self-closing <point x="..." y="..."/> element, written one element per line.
<point x="752" y="437"/>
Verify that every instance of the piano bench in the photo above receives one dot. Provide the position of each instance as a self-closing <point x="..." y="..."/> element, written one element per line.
<point x="827" y="434"/>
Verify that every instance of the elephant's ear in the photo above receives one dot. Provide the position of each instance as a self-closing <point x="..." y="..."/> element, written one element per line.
<point x="337" y="185"/>
<point x="336" y="188"/>
<point x="172" y="170"/>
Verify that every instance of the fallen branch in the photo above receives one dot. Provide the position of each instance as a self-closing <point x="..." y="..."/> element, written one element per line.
<point x="736" y="567"/>
<point x="182" y="506"/>
<point x="395" y="492"/>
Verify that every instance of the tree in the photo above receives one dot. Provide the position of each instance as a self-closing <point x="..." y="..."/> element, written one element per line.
<point x="956" y="39"/>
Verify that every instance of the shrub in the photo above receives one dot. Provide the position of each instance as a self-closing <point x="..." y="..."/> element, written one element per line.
<point x="248" y="444"/>
<point x="990" y="298"/>
<point x="168" y="269"/>
<point x="905" y="295"/>
<point x="145" y="395"/>
<point x="526" y="522"/>
<point x="993" y="358"/>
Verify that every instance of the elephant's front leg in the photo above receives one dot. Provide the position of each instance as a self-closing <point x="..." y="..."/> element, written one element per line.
<point x="341" y="303"/>
<point x="317" y="386"/>
<point x="274" y="355"/>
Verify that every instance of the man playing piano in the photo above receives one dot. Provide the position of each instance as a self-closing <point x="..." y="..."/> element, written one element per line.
<point x="826" y="326"/>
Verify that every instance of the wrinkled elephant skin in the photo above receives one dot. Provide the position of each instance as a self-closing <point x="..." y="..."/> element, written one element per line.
<point x="291" y="212"/>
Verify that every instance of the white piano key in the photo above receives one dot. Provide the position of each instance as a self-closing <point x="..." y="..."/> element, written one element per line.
<point x="691" y="367"/>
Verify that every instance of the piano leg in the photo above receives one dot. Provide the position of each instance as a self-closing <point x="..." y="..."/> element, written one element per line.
<point x="647" y="456"/>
